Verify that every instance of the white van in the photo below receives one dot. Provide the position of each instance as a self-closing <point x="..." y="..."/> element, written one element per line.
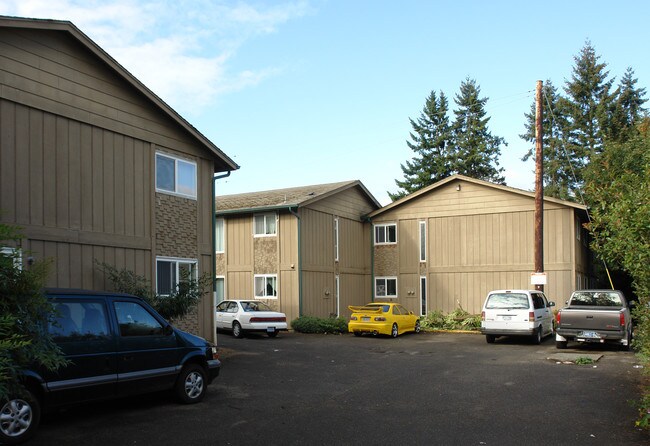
<point x="516" y="313"/>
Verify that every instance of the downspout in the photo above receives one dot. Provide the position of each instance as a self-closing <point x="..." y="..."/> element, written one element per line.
<point x="372" y="259"/>
<point x="299" y="262"/>
<point x="214" y="251"/>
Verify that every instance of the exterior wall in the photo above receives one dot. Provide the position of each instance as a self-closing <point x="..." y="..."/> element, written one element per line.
<point x="478" y="239"/>
<point x="77" y="167"/>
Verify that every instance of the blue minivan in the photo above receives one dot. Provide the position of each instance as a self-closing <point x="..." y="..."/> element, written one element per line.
<point x="117" y="345"/>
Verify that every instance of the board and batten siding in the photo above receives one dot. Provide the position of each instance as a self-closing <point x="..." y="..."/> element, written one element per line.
<point x="479" y="238"/>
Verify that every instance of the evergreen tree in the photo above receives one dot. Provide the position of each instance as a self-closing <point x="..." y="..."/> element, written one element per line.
<point x="558" y="177"/>
<point x="588" y="105"/>
<point x="430" y="141"/>
<point x="628" y="108"/>
<point x="476" y="150"/>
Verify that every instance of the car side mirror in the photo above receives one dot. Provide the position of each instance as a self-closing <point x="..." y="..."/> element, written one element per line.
<point x="551" y="303"/>
<point x="168" y="330"/>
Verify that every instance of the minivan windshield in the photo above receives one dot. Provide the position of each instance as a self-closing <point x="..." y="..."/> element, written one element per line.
<point x="513" y="301"/>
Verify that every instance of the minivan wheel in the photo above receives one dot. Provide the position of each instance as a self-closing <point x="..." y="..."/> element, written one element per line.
<point x="19" y="419"/>
<point x="236" y="330"/>
<point x="191" y="385"/>
<point x="490" y="339"/>
<point x="394" y="332"/>
<point x="537" y="337"/>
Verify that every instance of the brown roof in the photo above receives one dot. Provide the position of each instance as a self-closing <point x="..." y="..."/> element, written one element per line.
<point x="284" y="198"/>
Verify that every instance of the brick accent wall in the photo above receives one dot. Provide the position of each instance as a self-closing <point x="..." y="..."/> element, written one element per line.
<point x="386" y="260"/>
<point x="176" y="226"/>
<point x="266" y="255"/>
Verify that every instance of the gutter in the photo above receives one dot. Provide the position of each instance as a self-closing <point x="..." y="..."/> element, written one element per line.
<point x="295" y="213"/>
<point x="214" y="255"/>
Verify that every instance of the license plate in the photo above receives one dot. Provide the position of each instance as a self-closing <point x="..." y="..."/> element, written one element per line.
<point x="270" y="329"/>
<point x="589" y="335"/>
<point x="506" y="318"/>
<point x="365" y="319"/>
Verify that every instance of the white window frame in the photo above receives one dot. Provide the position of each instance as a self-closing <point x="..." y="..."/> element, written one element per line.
<point x="177" y="261"/>
<point x="423" y="295"/>
<point x="266" y="215"/>
<point x="384" y="228"/>
<point x="220" y="236"/>
<point x="177" y="161"/>
<point x="17" y="255"/>
<point x="385" y="279"/>
<point x="336" y="239"/>
<point x="265" y="276"/>
<point x="423" y="241"/>
<point x="337" y="290"/>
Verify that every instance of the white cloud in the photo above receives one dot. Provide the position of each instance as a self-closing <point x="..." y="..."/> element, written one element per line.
<point x="179" y="49"/>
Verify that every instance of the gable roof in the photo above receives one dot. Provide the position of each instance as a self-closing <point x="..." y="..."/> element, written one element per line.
<point x="292" y="197"/>
<point x="70" y="28"/>
<point x="456" y="178"/>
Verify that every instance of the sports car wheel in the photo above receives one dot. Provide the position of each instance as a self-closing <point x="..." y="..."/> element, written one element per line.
<point x="394" y="332"/>
<point x="417" y="326"/>
<point x="236" y="330"/>
<point x="357" y="333"/>
<point x="19" y="418"/>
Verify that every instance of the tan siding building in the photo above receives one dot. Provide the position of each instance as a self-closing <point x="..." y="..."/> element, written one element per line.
<point x="88" y="161"/>
<point x="447" y="245"/>
<point x="303" y="250"/>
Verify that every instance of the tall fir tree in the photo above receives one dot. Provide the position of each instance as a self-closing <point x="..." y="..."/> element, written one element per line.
<point x="558" y="178"/>
<point x="476" y="150"/>
<point x="589" y="105"/>
<point x="430" y="140"/>
<point x="627" y="110"/>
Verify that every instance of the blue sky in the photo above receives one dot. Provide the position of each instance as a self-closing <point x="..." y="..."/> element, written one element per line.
<point x="318" y="91"/>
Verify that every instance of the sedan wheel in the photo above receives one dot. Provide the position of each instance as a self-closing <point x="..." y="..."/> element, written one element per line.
<point x="273" y="333"/>
<point x="191" y="386"/>
<point x="236" y="330"/>
<point x="394" y="331"/>
<point x="19" y="419"/>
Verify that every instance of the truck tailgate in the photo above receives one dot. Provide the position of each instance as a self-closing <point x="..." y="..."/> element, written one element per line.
<point x="598" y="319"/>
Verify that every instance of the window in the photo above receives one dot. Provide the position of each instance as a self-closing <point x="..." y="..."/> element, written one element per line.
<point x="74" y="321"/>
<point x="386" y="287"/>
<point x="423" y="296"/>
<point x="578" y="229"/>
<point x="135" y="320"/>
<point x="337" y="290"/>
<point x="423" y="241"/>
<point x="170" y="273"/>
<point x="265" y="224"/>
<point x="336" y="239"/>
<point x="13" y="254"/>
<point x="266" y="286"/>
<point x="385" y="234"/>
<point x="219" y="244"/>
<point x="220" y="288"/>
<point x="176" y="176"/>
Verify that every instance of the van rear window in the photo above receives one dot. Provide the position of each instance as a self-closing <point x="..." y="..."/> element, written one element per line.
<point x="507" y="300"/>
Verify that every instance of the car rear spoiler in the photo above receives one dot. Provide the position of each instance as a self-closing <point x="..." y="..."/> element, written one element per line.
<point x="364" y="309"/>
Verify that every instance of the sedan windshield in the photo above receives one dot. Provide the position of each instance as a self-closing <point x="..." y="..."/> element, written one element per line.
<point x="507" y="300"/>
<point x="255" y="306"/>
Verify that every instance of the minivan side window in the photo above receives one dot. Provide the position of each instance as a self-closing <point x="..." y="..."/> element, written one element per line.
<point x="538" y="301"/>
<point x="74" y="321"/>
<point x="135" y="320"/>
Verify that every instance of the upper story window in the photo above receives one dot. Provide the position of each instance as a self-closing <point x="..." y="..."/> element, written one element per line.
<point x="175" y="176"/>
<point x="219" y="235"/>
<point x="171" y="273"/>
<point x="265" y="224"/>
<point x="385" y="234"/>
<point x="423" y="241"/>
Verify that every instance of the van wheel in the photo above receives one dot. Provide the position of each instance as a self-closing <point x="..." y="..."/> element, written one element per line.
<point x="537" y="337"/>
<point x="490" y="339"/>
<point x="191" y="385"/>
<point x="19" y="418"/>
<point x="561" y="344"/>
<point x="236" y="330"/>
<point x="394" y="332"/>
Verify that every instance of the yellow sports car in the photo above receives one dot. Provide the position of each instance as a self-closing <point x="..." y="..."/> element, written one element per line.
<point x="382" y="318"/>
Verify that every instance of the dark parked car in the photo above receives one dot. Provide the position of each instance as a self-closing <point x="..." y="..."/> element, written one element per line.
<point x="117" y="346"/>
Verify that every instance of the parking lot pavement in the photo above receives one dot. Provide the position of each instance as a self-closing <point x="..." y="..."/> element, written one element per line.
<point x="442" y="389"/>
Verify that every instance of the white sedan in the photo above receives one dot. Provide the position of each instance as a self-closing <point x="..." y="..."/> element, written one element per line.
<point x="249" y="315"/>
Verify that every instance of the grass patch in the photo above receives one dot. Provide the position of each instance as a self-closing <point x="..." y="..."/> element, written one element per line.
<point x="584" y="361"/>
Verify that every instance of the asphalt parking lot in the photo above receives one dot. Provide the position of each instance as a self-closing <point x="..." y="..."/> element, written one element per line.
<point x="433" y="389"/>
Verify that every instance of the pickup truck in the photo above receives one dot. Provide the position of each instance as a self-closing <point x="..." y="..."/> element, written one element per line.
<point x="600" y="316"/>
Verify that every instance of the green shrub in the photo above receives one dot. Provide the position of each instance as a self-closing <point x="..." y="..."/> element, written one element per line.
<point x="458" y="319"/>
<point x="310" y="324"/>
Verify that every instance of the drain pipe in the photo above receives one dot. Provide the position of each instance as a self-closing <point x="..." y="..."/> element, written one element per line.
<point x="214" y="251"/>
<point x="295" y="213"/>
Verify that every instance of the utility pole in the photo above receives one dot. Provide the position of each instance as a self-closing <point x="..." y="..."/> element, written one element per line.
<point x="539" y="186"/>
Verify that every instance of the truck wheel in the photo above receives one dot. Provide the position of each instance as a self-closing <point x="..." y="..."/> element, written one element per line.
<point x="561" y="344"/>
<point x="628" y="347"/>
<point x="490" y="339"/>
